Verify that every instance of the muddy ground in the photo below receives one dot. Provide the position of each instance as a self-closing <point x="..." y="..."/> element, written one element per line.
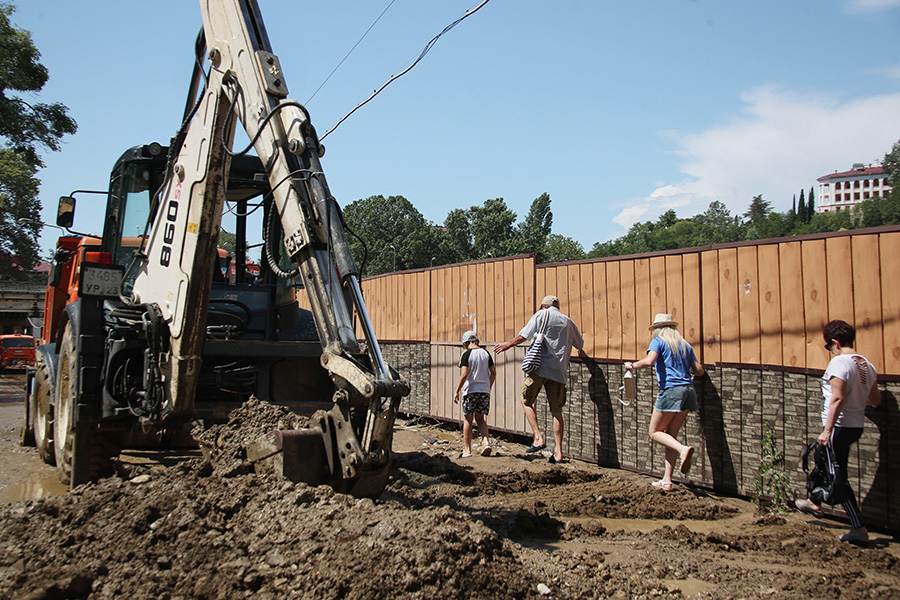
<point x="189" y="525"/>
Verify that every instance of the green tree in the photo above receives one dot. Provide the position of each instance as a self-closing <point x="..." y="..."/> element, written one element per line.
<point x="560" y="248"/>
<point x="456" y="243"/>
<point x="802" y="213"/>
<point x="891" y="164"/>
<point x="26" y="128"/>
<point x="717" y="225"/>
<point x="759" y="209"/>
<point x="493" y="229"/>
<point x="227" y="241"/>
<point x="389" y="234"/>
<point x="533" y="231"/>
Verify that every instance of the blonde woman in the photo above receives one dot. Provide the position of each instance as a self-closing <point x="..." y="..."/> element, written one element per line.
<point x="675" y="364"/>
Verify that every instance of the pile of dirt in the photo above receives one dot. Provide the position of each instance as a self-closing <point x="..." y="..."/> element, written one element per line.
<point x="223" y="445"/>
<point x="508" y="526"/>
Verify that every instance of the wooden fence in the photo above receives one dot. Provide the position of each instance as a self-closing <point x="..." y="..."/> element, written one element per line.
<point x="759" y="303"/>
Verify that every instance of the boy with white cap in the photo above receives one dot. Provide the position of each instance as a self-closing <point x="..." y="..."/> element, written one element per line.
<point x="475" y="381"/>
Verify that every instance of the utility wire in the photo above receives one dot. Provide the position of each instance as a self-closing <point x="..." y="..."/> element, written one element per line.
<point x="396" y="76"/>
<point x="351" y="51"/>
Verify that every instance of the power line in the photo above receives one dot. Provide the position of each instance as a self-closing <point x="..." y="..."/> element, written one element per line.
<point x="351" y="51"/>
<point x="396" y="76"/>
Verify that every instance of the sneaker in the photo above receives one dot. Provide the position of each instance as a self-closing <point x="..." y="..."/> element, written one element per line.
<point x="808" y="507"/>
<point x="684" y="461"/>
<point x="856" y="536"/>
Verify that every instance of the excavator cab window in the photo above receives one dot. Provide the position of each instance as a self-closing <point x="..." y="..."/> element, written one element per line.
<point x="135" y="178"/>
<point x="129" y="210"/>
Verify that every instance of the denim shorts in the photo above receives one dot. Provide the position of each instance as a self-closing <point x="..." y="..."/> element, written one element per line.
<point x="677" y="399"/>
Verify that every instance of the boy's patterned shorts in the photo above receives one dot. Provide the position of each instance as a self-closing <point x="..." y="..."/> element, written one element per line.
<point x="476" y="403"/>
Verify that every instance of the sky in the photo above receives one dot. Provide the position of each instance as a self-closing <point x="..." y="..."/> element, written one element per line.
<point x="618" y="110"/>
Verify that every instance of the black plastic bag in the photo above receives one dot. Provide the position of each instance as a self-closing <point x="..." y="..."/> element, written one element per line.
<point x="826" y="483"/>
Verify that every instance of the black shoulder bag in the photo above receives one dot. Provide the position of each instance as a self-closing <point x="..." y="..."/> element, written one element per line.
<point x="826" y="483"/>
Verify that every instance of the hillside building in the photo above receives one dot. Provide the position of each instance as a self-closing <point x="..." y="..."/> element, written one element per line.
<point x="840" y="191"/>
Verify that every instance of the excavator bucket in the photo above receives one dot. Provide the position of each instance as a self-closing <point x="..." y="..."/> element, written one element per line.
<point x="327" y="453"/>
<point x="298" y="455"/>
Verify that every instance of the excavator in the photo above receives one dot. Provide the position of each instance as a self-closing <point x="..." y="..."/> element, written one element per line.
<point x="152" y="325"/>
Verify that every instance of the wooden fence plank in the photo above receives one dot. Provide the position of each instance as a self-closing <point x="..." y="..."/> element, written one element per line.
<point x="658" y="300"/>
<point x="510" y="327"/>
<point x="527" y="307"/>
<point x="867" y="285"/>
<point x="585" y="325"/>
<point x="674" y="270"/>
<point x="815" y="301"/>
<point x="614" y="310"/>
<point x="691" y="326"/>
<point x="838" y="257"/>
<point x="573" y="294"/>
<point x="770" y="305"/>
<point x="728" y="306"/>
<point x="793" y="318"/>
<point x="643" y="308"/>
<point x="600" y="331"/>
<point x="890" y="300"/>
<point x="628" y="303"/>
<point x="499" y="302"/>
<point x="522" y="312"/>
<point x="748" y="304"/>
<point x="481" y="300"/>
<point x="711" y="350"/>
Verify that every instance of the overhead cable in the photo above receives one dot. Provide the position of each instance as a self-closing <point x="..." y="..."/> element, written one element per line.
<point x="351" y="51"/>
<point x="396" y="76"/>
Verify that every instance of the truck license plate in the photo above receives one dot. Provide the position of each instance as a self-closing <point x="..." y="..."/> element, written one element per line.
<point x="100" y="280"/>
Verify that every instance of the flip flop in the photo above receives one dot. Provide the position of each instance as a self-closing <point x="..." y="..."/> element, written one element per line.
<point x="552" y="460"/>
<point x="665" y="486"/>
<point x="469" y="455"/>
<point x="684" y="460"/>
<point x="486" y="451"/>
<point x="532" y="448"/>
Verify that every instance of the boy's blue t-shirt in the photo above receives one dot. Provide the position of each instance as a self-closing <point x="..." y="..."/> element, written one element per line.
<point x="672" y="369"/>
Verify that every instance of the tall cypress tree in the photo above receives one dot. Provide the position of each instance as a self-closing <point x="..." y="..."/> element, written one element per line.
<point x="811" y="205"/>
<point x="801" y="208"/>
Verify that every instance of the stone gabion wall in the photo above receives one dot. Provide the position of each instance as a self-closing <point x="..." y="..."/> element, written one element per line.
<point x="411" y="360"/>
<point x="737" y="405"/>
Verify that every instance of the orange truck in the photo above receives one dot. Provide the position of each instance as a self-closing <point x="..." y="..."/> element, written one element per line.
<point x="16" y="351"/>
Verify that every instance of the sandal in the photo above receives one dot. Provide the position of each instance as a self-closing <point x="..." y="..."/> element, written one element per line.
<point x="665" y="486"/>
<point x="486" y="451"/>
<point x="684" y="460"/>
<point x="466" y="455"/>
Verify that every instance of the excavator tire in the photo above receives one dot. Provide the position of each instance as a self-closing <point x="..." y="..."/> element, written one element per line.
<point x="26" y="435"/>
<point x="42" y="413"/>
<point x="83" y="453"/>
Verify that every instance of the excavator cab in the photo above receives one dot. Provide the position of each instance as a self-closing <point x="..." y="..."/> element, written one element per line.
<point x="250" y="310"/>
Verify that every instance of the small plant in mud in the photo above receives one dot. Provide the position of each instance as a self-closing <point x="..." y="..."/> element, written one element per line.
<point x="771" y="489"/>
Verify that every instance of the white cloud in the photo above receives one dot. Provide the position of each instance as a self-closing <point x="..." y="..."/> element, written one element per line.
<point x="780" y="144"/>
<point x="870" y="6"/>
<point x="889" y="72"/>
